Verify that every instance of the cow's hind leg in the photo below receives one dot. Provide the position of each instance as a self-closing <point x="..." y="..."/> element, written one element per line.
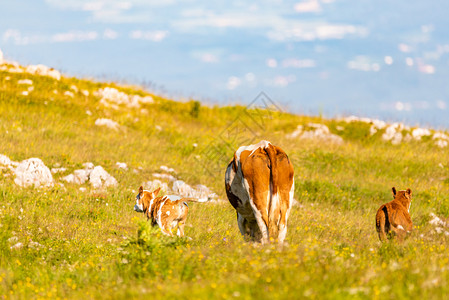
<point x="258" y="227"/>
<point x="285" y="205"/>
<point x="244" y="226"/>
<point x="261" y="214"/>
<point x="165" y="231"/>
<point x="260" y="230"/>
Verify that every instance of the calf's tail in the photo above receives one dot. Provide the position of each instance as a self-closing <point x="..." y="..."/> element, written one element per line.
<point x="381" y="222"/>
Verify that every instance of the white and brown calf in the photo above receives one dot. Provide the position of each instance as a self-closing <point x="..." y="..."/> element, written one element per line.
<point x="168" y="211"/>
<point x="259" y="184"/>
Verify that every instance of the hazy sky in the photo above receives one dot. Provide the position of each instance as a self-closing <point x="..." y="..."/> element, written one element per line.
<point x="375" y="58"/>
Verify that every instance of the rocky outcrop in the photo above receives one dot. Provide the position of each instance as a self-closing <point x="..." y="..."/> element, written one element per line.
<point x="33" y="172"/>
<point x="107" y="123"/>
<point x="315" y="131"/>
<point x="96" y="175"/>
<point x="111" y="97"/>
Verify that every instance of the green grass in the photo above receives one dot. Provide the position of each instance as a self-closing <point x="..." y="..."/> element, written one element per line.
<point x="93" y="245"/>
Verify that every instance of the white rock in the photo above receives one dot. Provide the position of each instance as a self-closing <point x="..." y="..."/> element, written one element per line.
<point x="108" y="123"/>
<point x="441" y="139"/>
<point x="316" y="132"/>
<point x="440" y="135"/>
<point x="393" y="133"/>
<point x="418" y="133"/>
<point x="351" y="119"/>
<point x="58" y="170"/>
<point x="33" y="172"/>
<point x="16" y="246"/>
<point x="296" y="133"/>
<point x="397" y="138"/>
<point x="88" y="166"/>
<point x="182" y="188"/>
<point x="202" y="193"/>
<point x="111" y="97"/>
<point x="69" y="94"/>
<point x="35" y="245"/>
<point x="441" y="143"/>
<point x="13" y="239"/>
<point x="69" y="178"/>
<point x="25" y="81"/>
<point x="379" y="124"/>
<point x="146" y="100"/>
<point x="121" y="165"/>
<point x="100" y="178"/>
<point x="375" y="123"/>
<point x="372" y="130"/>
<point x="154" y="184"/>
<point x="43" y="71"/>
<point x="167" y="169"/>
<point x="439" y="230"/>
<point x="13" y="67"/>
<point x="81" y="176"/>
<point x="436" y="221"/>
<point x="164" y="176"/>
<point x="109" y="94"/>
<point x="4" y="160"/>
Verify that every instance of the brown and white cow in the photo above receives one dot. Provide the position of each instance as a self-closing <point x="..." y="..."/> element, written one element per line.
<point x="169" y="211"/>
<point x="393" y="218"/>
<point x="259" y="185"/>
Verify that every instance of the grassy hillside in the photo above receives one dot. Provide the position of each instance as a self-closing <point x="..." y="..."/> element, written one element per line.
<point x="91" y="244"/>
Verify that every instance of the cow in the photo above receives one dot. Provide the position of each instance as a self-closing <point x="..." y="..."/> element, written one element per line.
<point x="260" y="185"/>
<point x="169" y="211"/>
<point x="393" y="218"/>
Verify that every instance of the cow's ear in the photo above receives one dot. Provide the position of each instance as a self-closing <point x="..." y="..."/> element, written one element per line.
<point x="140" y="190"/>
<point x="156" y="191"/>
<point x="409" y="192"/>
<point x="393" y="190"/>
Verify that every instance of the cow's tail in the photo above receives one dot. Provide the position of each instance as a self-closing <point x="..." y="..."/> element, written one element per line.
<point x="274" y="205"/>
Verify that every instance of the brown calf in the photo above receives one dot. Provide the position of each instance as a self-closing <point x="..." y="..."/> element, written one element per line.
<point x="393" y="218"/>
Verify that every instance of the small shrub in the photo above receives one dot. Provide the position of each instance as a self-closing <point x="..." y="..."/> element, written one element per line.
<point x="195" y="109"/>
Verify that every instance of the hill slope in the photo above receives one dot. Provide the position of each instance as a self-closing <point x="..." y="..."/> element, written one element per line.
<point x="76" y="241"/>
